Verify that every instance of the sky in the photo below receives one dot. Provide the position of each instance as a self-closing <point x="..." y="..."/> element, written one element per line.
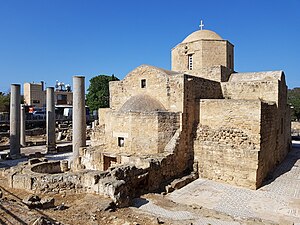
<point x="49" y="40"/>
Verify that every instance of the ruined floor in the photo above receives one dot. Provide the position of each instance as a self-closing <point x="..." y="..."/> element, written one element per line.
<point x="92" y="209"/>
<point x="201" y="202"/>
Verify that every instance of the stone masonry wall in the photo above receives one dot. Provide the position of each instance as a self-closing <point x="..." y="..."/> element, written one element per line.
<point x="168" y="124"/>
<point x="206" y="54"/>
<point x="120" y="183"/>
<point x="266" y="90"/>
<point x="143" y="133"/>
<point x="269" y="154"/>
<point x="214" y="53"/>
<point x="228" y="141"/>
<point x="283" y="120"/>
<point x="165" y="86"/>
<point x="194" y="88"/>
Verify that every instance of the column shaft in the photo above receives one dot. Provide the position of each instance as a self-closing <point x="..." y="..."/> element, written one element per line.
<point x="50" y="119"/>
<point x="23" y="129"/>
<point x="15" y="106"/>
<point x="79" y="115"/>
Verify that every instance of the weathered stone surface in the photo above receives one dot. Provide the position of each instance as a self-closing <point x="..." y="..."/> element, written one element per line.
<point x="181" y="182"/>
<point x="33" y="161"/>
<point x="34" y="201"/>
<point x="47" y="202"/>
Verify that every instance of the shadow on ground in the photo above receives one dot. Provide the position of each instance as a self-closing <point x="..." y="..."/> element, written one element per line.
<point x="287" y="164"/>
<point x="138" y="202"/>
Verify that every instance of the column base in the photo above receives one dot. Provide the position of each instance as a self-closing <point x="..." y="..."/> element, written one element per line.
<point x="17" y="156"/>
<point x="76" y="164"/>
<point x="51" y="149"/>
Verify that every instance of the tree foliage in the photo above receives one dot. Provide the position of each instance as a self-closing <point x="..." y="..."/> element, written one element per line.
<point x="4" y="102"/>
<point x="98" y="92"/>
<point x="294" y="101"/>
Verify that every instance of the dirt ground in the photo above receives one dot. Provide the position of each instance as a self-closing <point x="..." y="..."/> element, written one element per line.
<point x="90" y="209"/>
<point x="79" y="209"/>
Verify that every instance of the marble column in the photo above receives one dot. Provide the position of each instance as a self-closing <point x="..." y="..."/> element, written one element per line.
<point x="79" y="115"/>
<point x="15" y="106"/>
<point x="50" y="120"/>
<point x="23" y="129"/>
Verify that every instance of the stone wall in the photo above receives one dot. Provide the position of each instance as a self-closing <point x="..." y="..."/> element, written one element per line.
<point x="166" y="86"/>
<point x="270" y="87"/>
<point x="228" y="141"/>
<point x="143" y="133"/>
<point x="283" y="121"/>
<point x="195" y="88"/>
<point x="269" y="155"/>
<point x="215" y="53"/>
<point x="206" y="54"/>
<point x="265" y="90"/>
<point x="121" y="183"/>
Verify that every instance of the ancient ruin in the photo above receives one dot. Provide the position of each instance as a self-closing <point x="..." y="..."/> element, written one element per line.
<point x="234" y="127"/>
<point x="200" y="119"/>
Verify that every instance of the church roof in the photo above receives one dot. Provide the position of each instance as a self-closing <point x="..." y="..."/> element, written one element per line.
<point x="256" y="76"/>
<point x="143" y="68"/>
<point x="164" y="71"/>
<point x="202" y="35"/>
<point x="142" y="103"/>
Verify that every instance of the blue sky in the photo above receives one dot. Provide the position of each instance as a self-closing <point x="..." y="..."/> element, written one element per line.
<point x="53" y="40"/>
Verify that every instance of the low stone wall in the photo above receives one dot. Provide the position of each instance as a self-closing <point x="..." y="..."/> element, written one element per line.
<point x="47" y="167"/>
<point x="121" y="183"/>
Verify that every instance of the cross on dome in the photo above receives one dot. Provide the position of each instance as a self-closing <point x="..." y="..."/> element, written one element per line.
<point x="201" y="25"/>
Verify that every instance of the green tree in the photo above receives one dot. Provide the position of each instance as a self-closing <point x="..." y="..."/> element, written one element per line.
<point x="294" y="101"/>
<point x="98" y="92"/>
<point x="4" y="102"/>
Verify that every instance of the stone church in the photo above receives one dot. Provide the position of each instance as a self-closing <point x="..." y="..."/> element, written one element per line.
<point x="202" y="115"/>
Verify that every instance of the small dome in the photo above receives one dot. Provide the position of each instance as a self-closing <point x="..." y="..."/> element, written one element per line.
<point x="142" y="103"/>
<point x="202" y="35"/>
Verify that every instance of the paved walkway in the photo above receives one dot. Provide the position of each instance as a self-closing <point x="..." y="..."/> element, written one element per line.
<point x="278" y="201"/>
<point x="178" y="216"/>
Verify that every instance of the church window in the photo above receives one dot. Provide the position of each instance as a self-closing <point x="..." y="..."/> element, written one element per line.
<point x="120" y="141"/>
<point x="190" y="62"/>
<point x="230" y="62"/>
<point x="143" y="83"/>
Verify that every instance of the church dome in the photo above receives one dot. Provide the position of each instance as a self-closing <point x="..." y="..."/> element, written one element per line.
<point x="202" y="35"/>
<point x="142" y="103"/>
